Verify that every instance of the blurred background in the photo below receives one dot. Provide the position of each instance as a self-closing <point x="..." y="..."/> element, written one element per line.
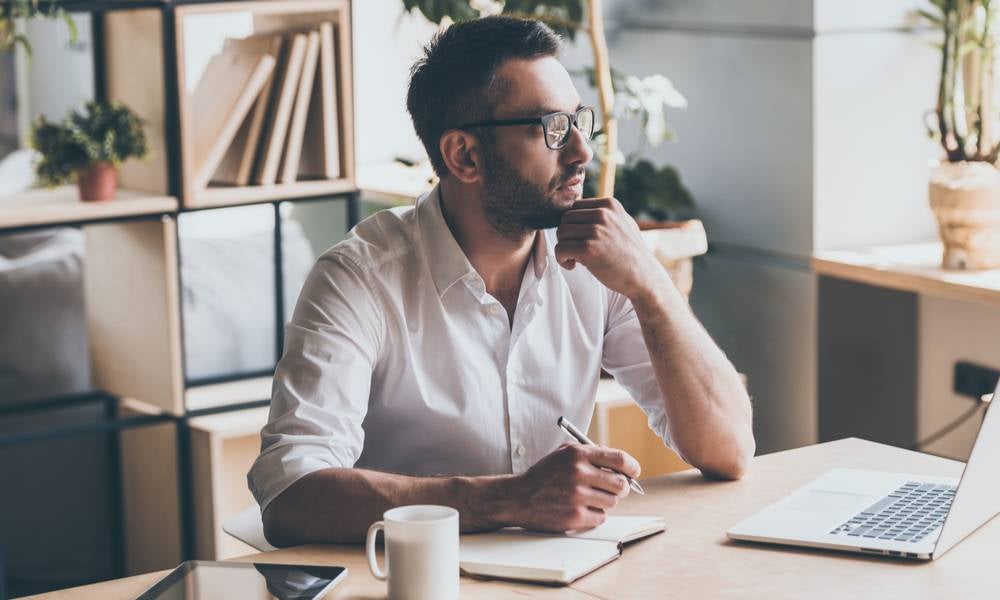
<point x="136" y="346"/>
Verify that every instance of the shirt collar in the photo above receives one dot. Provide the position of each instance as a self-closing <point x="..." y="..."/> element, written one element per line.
<point x="446" y="259"/>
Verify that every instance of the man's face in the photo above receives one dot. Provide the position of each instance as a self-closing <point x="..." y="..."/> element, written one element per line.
<point x="528" y="186"/>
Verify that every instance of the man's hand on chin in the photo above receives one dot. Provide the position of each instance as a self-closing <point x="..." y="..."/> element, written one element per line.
<point x="599" y="234"/>
<point x="570" y="489"/>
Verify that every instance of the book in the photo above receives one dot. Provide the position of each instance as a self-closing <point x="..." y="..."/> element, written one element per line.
<point x="238" y="161"/>
<point x="555" y="559"/>
<point x="282" y="99"/>
<point x="223" y="96"/>
<point x="293" y="146"/>
<point x="321" y="145"/>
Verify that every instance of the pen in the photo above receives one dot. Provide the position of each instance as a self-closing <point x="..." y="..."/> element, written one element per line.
<point x="579" y="436"/>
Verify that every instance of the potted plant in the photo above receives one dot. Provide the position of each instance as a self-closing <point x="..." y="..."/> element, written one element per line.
<point x="89" y="146"/>
<point x="965" y="188"/>
<point x="655" y="196"/>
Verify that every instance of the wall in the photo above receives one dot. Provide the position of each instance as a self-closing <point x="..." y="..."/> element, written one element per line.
<point x="386" y="42"/>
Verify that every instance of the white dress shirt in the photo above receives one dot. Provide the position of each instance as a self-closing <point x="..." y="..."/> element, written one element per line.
<point x="397" y="359"/>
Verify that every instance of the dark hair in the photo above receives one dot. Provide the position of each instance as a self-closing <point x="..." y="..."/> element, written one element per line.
<point x="455" y="81"/>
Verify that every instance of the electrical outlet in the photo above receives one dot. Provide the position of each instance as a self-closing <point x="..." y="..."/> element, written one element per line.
<point x="974" y="380"/>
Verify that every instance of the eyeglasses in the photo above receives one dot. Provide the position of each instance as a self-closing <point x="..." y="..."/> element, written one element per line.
<point x="557" y="125"/>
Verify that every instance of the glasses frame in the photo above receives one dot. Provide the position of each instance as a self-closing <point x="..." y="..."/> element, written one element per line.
<point x="544" y="121"/>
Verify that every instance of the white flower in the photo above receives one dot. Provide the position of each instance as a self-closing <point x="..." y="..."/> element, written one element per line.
<point x="647" y="98"/>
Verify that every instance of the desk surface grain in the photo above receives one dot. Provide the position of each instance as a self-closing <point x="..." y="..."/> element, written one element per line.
<point x="693" y="559"/>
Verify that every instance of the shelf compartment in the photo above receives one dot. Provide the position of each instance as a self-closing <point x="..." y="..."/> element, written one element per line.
<point x="62" y="206"/>
<point x="270" y="16"/>
<point x="133" y="311"/>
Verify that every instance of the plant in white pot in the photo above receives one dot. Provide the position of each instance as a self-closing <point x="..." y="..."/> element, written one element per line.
<point x="965" y="188"/>
<point x="653" y="195"/>
<point x="89" y="146"/>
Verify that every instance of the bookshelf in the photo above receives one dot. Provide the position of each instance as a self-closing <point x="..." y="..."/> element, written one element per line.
<point x="180" y="477"/>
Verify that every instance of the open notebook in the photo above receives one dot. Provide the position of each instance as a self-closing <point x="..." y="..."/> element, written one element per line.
<point x="512" y="553"/>
<point x="561" y="559"/>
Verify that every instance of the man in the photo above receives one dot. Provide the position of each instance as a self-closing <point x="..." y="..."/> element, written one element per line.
<point x="431" y="353"/>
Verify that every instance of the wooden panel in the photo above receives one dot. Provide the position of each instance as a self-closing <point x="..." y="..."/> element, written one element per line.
<point x="223" y="448"/>
<point x="133" y="42"/>
<point x="62" y="205"/>
<point x="213" y="197"/>
<point x="149" y="494"/>
<point x="232" y="392"/>
<point x="909" y="268"/>
<point x="204" y="458"/>
<point x="345" y="91"/>
<point x="133" y="312"/>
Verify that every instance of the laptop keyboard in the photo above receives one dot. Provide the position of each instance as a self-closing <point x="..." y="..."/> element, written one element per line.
<point x="906" y="515"/>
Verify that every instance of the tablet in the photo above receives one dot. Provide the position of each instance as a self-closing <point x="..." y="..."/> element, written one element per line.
<point x="204" y="580"/>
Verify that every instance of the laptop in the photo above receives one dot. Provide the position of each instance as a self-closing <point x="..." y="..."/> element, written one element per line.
<point x="894" y="514"/>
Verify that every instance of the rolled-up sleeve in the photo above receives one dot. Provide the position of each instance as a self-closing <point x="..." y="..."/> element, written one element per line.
<point x="626" y="358"/>
<point x="321" y="384"/>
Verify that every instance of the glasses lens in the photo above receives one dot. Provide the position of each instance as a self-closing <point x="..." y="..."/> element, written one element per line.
<point x="585" y="122"/>
<point x="557" y="131"/>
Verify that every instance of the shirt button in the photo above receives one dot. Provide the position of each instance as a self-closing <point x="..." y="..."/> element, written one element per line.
<point x="521" y="450"/>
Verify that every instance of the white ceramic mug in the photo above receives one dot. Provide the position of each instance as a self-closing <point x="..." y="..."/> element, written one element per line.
<point x="421" y="552"/>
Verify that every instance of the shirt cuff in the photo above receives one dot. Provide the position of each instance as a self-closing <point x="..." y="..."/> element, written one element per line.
<point x="277" y="469"/>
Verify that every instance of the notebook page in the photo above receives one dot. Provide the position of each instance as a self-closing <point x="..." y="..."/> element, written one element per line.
<point x="518" y="554"/>
<point x="622" y="529"/>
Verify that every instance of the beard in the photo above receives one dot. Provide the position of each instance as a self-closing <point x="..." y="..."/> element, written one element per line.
<point x="515" y="206"/>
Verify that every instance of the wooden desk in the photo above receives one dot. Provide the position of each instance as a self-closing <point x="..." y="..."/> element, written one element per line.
<point x="912" y="268"/>
<point x="693" y="559"/>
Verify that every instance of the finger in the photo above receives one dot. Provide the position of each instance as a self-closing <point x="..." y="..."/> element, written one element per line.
<point x="599" y="499"/>
<point x="617" y="460"/>
<point x="576" y="231"/>
<point x="593" y="203"/>
<point x="585" y="215"/>
<point x="570" y="250"/>
<point x="592" y="518"/>
<point x="606" y="481"/>
<point x="585" y="518"/>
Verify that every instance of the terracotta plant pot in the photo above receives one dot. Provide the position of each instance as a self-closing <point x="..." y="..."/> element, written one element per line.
<point x="675" y="244"/>
<point x="965" y="198"/>
<point x="98" y="182"/>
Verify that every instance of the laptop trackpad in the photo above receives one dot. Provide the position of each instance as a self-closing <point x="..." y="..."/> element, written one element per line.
<point x="816" y="501"/>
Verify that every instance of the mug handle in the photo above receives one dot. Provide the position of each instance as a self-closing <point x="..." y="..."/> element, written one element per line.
<point x="370" y="551"/>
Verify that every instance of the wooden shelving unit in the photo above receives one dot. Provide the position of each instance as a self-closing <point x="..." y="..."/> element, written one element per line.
<point x="182" y="477"/>
<point x="912" y="268"/>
